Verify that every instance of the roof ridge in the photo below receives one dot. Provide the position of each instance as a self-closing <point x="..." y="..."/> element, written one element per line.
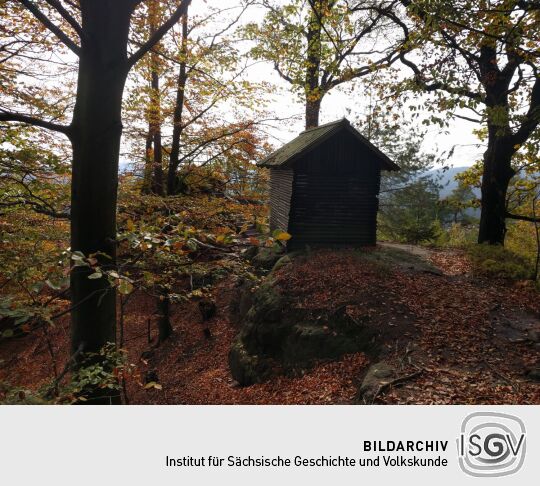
<point x="308" y="139"/>
<point x="325" y="125"/>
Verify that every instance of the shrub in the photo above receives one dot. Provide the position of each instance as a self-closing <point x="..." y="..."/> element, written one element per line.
<point x="458" y="236"/>
<point x="499" y="262"/>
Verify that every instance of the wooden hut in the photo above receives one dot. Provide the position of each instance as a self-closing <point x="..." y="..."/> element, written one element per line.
<point x="324" y="187"/>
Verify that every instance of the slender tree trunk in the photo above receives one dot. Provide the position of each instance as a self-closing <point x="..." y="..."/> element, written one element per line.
<point x="174" y="159"/>
<point x="154" y="110"/>
<point x="155" y="130"/>
<point x="148" y="164"/>
<point x="164" y="320"/>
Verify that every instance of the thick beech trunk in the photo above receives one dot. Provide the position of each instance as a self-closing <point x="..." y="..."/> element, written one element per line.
<point x="95" y="135"/>
<point x="495" y="179"/>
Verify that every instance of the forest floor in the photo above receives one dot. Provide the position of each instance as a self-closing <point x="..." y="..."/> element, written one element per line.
<point x="458" y="339"/>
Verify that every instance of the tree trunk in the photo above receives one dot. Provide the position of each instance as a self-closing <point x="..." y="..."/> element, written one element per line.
<point x="95" y="136"/>
<point x="313" y="94"/>
<point x="154" y="108"/>
<point x="174" y="158"/>
<point x="498" y="156"/>
<point x="313" y="109"/>
<point x="148" y="163"/>
<point x="155" y="130"/>
<point x="495" y="179"/>
<point x="164" y="320"/>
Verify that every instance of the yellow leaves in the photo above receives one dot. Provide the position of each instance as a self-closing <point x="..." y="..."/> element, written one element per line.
<point x="130" y="225"/>
<point x="221" y="238"/>
<point x="153" y="384"/>
<point x="282" y="236"/>
<point x="197" y="293"/>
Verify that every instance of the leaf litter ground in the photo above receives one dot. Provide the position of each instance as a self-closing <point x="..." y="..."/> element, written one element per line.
<point x="439" y="320"/>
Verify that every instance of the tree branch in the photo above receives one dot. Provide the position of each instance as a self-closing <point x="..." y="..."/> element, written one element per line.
<point x="57" y="31"/>
<point x="37" y="122"/>
<point x="158" y="34"/>
<point x="437" y="85"/>
<point x="521" y="217"/>
<point x="532" y="118"/>
<point x="66" y="16"/>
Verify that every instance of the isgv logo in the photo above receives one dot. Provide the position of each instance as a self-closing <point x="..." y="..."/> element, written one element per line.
<point x="491" y="444"/>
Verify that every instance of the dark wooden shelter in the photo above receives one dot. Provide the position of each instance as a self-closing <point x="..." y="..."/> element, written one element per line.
<point x="324" y="187"/>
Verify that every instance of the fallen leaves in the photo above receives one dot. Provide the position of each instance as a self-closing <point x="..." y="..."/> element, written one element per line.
<point x="453" y="339"/>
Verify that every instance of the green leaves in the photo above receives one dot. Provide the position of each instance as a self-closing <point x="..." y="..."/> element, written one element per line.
<point x="125" y="287"/>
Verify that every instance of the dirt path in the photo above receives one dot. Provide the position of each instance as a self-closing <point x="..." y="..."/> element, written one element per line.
<point x="419" y="251"/>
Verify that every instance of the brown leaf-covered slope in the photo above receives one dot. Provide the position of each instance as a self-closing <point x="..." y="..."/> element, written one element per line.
<point x="450" y="327"/>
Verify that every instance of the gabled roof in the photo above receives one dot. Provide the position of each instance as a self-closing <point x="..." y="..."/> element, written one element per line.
<point x="313" y="137"/>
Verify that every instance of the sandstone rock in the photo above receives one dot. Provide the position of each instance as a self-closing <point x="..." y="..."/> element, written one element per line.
<point x="274" y="332"/>
<point x="377" y="375"/>
<point x="267" y="257"/>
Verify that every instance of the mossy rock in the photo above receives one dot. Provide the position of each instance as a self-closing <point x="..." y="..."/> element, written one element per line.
<point x="268" y="304"/>
<point x="246" y="368"/>
<point x="267" y="257"/>
<point x="241" y="300"/>
<point x="274" y="331"/>
<point x="285" y="260"/>
<point x="250" y="252"/>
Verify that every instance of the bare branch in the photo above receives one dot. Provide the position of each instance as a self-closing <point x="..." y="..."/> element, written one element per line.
<point x="37" y="122"/>
<point x="521" y="217"/>
<point x="57" y="31"/>
<point x="66" y="16"/>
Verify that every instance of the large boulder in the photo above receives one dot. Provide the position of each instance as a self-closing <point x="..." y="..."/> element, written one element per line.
<point x="275" y="335"/>
<point x="241" y="300"/>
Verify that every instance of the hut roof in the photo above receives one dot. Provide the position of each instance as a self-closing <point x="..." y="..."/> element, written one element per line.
<point x="312" y="138"/>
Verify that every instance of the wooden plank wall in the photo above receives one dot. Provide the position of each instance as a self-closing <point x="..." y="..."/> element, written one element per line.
<point x="281" y="183"/>
<point x="335" y="196"/>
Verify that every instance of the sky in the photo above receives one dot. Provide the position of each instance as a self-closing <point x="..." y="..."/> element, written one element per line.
<point x="337" y="104"/>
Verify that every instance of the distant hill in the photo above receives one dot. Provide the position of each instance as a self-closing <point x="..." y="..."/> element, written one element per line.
<point x="446" y="179"/>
